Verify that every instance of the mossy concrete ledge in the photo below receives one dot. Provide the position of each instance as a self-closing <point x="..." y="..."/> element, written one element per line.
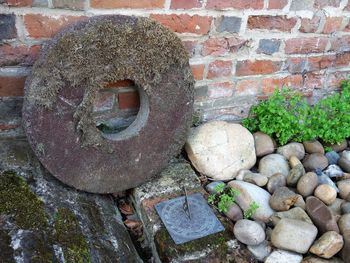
<point x="221" y="247"/>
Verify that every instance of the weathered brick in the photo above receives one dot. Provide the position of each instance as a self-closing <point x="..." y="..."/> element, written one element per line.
<point x="332" y="25"/>
<point x="280" y="23"/>
<point x="277" y="4"/>
<point x="69" y="4"/>
<point x="120" y="84"/>
<point x="248" y="87"/>
<point x="221" y="46"/>
<point x="321" y="62"/>
<point x="12" y="86"/>
<point x="201" y="93"/>
<point x="269" y="46"/>
<point x="220" y="90"/>
<point x="307" y="64"/>
<point x="18" y="56"/>
<point x="323" y="3"/>
<point x="342" y="59"/>
<point x="7" y="26"/>
<point x="257" y="67"/>
<point x="334" y="79"/>
<point x="305" y="45"/>
<point x="298" y="5"/>
<point x="18" y="3"/>
<point x="314" y="80"/>
<point x="190" y="46"/>
<point x="296" y="65"/>
<point x="185" y="23"/>
<point x="219" y="68"/>
<point x="39" y="3"/>
<point x="39" y="26"/>
<point x="310" y="25"/>
<point x="104" y="102"/>
<point x="270" y="84"/>
<point x="128" y="100"/>
<point x="148" y="4"/>
<point x="185" y="4"/>
<point x="236" y="4"/>
<point x="198" y="71"/>
<point x="230" y="24"/>
<point x="340" y="44"/>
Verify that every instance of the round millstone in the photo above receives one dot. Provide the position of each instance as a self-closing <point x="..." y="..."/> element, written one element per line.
<point x="73" y="67"/>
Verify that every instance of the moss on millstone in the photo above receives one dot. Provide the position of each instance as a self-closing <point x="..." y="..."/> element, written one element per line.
<point x="19" y="202"/>
<point x="69" y="236"/>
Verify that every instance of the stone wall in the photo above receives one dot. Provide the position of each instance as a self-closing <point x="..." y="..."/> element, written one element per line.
<point x="239" y="49"/>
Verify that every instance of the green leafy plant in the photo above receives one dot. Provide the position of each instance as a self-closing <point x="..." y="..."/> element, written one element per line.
<point x="251" y="210"/>
<point x="223" y="197"/>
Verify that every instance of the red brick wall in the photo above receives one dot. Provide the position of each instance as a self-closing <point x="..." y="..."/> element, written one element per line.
<point x="239" y="49"/>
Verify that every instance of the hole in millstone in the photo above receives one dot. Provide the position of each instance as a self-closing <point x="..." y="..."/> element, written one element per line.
<point x="116" y="108"/>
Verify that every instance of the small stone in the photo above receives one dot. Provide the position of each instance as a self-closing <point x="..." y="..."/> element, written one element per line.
<point x="249" y="232"/>
<point x="314" y="161"/>
<point x="312" y="259"/>
<point x="345" y="208"/>
<point x="282" y="199"/>
<point x="211" y="186"/>
<point x="264" y="144"/>
<point x="344" y="189"/>
<point x="307" y="184"/>
<point x="336" y="207"/>
<point x="324" y="179"/>
<point x="332" y="157"/>
<point x="256" y="178"/>
<point x="345" y="253"/>
<point x="321" y="215"/>
<point x="295" y="213"/>
<point x="293" y="235"/>
<point x="338" y="147"/>
<point x="292" y="149"/>
<point x="272" y="164"/>
<point x="344" y="161"/>
<point x="329" y="244"/>
<point x="313" y="146"/>
<point x="295" y="174"/>
<point x="276" y="181"/>
<point x="300" y="202"/>
<point x="294" y="161"/>
<point x="344" y="224"/>
<point x="326" y="194"/>
<point x="282" y="256"/>
<point x="260" y="251"/>
<point x="333" y="171"/>
<point x="234" y="212"/>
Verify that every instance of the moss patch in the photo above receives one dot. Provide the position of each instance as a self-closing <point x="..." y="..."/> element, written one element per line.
<point x="18" y="201"/>
<point x="6" y="250"/>
<point x="68" y="234"/>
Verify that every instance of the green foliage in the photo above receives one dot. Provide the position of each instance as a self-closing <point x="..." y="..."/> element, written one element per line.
<point x="251" y="210"/>
<point x="223" y="198"/>
<point x="287" y="116"/>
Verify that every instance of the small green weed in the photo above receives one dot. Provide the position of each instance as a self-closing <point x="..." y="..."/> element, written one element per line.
<point x="223" y="198"/>
<point x="251" y="210"/>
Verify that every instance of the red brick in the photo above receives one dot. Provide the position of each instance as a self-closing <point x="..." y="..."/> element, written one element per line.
<point x="219" y="68"/>
<point x="185" y="23"/>
<point x="332" y="25"/>
<point x="128" y="100"/>
<point x="221" y="46"/>
<point x="320" y="62"/>
<point x="296" y="65"/>
<point x="310" y="25"/>
<point x="18" y="3"/>
<point x="342" y="59"/>
<point x="198" y="71"/>
<point x="270" y="84"/>
<point x="6" y="127"/>
<point x="277" y="4"/>
<point x="333" y="80"/>
<point x="220" y="90"/>
<point x="248" y="87"/>
<point x="107" y="4"/>
<point x="236" y="4"/>
<point x="39" y="26"/>
<point x="120" y="84"/>
<point x="314" y="80"/>
<point x="280" y="23"/>
<point x="324" y="3"/>
<point x="305" y="45"/>
<point x="12" y="86"/>
<point x="340" y="44"/>
<point x="185" y="4"/>
<point x="257" y="67"/>
<point x="190" y="46"/>
<point x="69" y="4"/>
<point x="18" y="56"/>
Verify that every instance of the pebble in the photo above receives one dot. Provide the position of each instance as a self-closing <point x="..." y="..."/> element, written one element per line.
<point x="336" y="207"/>
<point x="294" y="213"/>
<point x="307" y="184"/>
<point x="276" y="181"/>
<point x="256" y="178"/>
<point x="332" y="157"/>
<point x="321" y="215"/>
<point x="313" y="146"/>
<point x="293" y="235"/>
<point x="211" y="186"/>
<point x="314" y="161"/>
<point x="333" y="171"/>
<point x="300" y="202"/>
<point x="344" y="161"/>
<point x="249" y="232"/>
<point x="234" y="212"/>
<point x="264" y="144"/>
<point x="338" y="147"/>
<point x="282" y="256"/>
<point x="261" y="251"/>
<point x="345" y="253"/>
<point x="329" y="244"/>
<point x="272" y="164"/>
<point x="344" y="224"/>
<point x="344" y="189"/>
<point x="326" y="194"/>
<point x="294" y="175"/>
<point x="294" y="161"/>
<point x="312" y="259"/>
<point x="345" y="208"/>
<point x="282" y="199"/>
<point x="292" y="149"/>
